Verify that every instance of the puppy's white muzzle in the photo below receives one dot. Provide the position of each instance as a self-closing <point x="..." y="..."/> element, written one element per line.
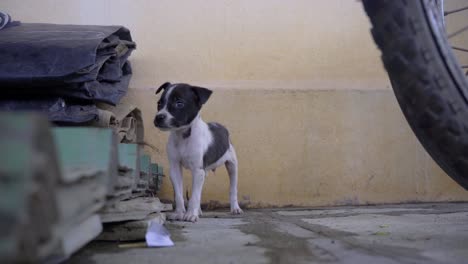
<point x="163" y="120"/>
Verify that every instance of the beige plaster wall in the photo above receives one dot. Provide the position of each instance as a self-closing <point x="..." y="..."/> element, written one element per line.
<point x="313" y="148"/>
<point x="299" y="84"/>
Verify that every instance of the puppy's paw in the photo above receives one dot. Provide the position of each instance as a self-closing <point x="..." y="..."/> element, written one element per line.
<point x="190" y="217"/>
<point x="236" y="210"/>
<point x="176" y="216"/>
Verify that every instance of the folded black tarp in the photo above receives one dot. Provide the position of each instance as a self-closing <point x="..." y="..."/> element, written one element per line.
<point x="58" y="109"/>
<point x="77" y="61"/>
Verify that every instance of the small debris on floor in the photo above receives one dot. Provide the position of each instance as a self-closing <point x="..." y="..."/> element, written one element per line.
<point x="133" y="245"/>
<point x="157" y="235"/>
<point x="381" y="233"/>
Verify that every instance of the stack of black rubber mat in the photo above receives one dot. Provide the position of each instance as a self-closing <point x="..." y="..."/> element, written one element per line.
<point x="64" y="70"/>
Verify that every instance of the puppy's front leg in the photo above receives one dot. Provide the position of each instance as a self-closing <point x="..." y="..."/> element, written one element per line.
<point x="198" y="178"/>
<point x="175" y="171"/>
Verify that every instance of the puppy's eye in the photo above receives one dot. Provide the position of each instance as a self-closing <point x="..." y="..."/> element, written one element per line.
<point x="179" y="104"/>
<point x="159" y="104"/>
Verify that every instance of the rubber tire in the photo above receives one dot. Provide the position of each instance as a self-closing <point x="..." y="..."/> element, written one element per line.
<point x="424" y="77"/>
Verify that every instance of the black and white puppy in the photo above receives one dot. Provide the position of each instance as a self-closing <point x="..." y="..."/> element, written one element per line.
<point x="194" y="145"/>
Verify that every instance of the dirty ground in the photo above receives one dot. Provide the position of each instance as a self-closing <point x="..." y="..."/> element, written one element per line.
<point x="420" y="233"/>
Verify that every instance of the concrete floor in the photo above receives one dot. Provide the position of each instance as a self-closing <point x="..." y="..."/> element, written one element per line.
<point x="427" y="233"/>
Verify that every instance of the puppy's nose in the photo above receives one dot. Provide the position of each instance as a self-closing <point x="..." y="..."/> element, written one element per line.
<point x="160" y="118"/>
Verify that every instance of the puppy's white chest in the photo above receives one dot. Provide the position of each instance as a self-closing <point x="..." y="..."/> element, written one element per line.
<point x="188" y="154"/>
<point x="189" y="149"/>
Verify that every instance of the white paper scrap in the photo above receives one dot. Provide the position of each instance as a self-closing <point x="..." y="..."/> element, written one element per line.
<point x="157" y="235"/>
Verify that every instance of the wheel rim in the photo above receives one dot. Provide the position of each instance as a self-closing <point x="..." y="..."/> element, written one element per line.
<point x="451" y="36"/>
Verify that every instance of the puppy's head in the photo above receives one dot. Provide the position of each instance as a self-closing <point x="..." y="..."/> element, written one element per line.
<point x="179" y="104"/>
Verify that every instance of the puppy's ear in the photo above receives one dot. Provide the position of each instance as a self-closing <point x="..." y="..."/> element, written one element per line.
<point x="163" y="87"/>
<point x="202" y="93"/>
